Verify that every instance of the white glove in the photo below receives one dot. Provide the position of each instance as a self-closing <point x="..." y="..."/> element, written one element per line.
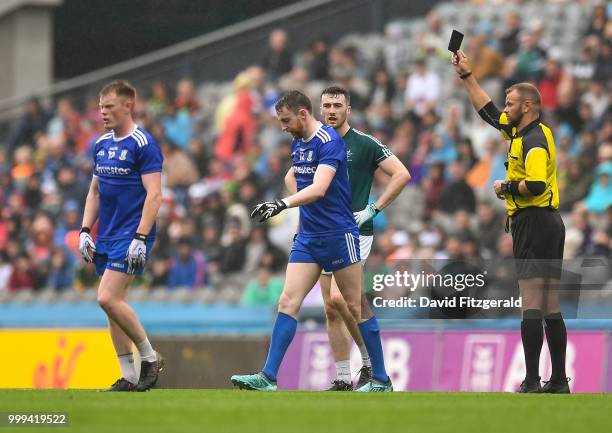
<point x="136" y="255"/>
<point x="365" y="215"/>
<point x="87" y="247"/>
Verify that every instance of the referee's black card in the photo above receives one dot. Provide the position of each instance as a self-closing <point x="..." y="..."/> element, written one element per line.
<point x="455" y="41"/>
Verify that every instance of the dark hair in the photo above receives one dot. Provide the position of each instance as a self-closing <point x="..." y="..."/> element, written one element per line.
<point x="293" y="100"/>
<point x="527" y="91"/>
<point x="119" y="88"/>
<point x="337" y="90"/>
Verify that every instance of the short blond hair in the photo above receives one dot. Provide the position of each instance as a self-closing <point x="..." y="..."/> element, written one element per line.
<point x="120" y="88"/>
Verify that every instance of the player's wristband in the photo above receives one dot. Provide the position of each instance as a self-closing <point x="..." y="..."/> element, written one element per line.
<point x="510" y="187"/>
<point x="85" y="230"/>
<point x="375" y="208"/>
<point x="464" y="76"/>
<point x="140" y="237"/>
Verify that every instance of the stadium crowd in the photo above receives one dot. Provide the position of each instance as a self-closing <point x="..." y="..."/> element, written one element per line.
<point x="225" y="152"/>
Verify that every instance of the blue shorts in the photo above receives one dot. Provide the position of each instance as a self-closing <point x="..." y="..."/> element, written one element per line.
<point x="331" y="252"/>
<point x="112" y="255"/>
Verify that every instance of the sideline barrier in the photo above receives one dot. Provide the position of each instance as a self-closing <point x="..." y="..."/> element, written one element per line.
<point x="440" y="360"/>
<point x="477" y="361"/>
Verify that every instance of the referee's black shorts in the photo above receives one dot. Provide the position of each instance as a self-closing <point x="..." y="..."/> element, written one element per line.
<point x="538" y="237"/>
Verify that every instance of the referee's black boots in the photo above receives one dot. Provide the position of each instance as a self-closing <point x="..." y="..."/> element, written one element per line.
<point x="554" y="386"/>
<point x="530" y="387"/>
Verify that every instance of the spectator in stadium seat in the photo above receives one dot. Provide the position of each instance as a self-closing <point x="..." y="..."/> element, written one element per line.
<point x="160" y="271"/>
<point x="603" y="64"/>
<point x="600" y="195"/>
<point x="180" y="170"/>
<point x="487" y="62"/>
<point x="178" y="125"/>
<point x="549" y="84"/>
<point x="22" y="276"/>
<point x="24" y="165"/>
<point x="32" y="194"/>
<point x="489" y="227"/>
<point x="278" y="60"/>
<point x="599" y="20"/>
<point x="69" y="185"/>
<point x="85" y="277"/>
<point x="70" y="221"/>
<point x="466" y="154"/>
<point x="33" y="122"/>
<point x="383" y="87"/>
<point x="157" y="103"/>
<point x="199" y="155"/>
<point x="61" y="273"/>
<point x="187" y="268"/>
<point x="262" y="290"/>
<point x="530" y="58"/>
<point x="237" y="133"/>
<point x="233" y="253"/>
<point x="457" y="194"/>
<point x="6" y="270"/>
<point x="433" y="185"/>
<point x="422" y="89"/>
<point x="597" y="98"/>
<point x="509" y="39"/>
<point x="317" y="58"/>
<point x="186" y="97"/>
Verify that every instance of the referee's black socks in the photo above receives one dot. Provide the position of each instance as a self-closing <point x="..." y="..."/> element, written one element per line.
<point x="556" y="335"/>
<point x="532" y="335"/>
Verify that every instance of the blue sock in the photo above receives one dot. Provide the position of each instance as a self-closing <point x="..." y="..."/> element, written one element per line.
<point x="371" y="338"/>
<point x="282" y="334"/>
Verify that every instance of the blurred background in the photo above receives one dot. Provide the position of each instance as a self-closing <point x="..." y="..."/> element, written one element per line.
<point x="208" y="74"/>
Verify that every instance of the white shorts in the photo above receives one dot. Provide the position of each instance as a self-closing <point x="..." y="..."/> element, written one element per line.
<point x="365" y="246"/>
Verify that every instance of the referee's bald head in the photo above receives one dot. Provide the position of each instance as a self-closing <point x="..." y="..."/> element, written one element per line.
<point x="527" y="92"/>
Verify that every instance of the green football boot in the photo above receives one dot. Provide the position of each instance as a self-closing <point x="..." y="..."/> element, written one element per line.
<point x="376" y="386"/>
<point x="253" y="382"/>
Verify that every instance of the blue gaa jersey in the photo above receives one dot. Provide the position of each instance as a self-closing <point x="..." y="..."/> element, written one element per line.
<point x="118" y="165"/>
<point x="333" y="213"/>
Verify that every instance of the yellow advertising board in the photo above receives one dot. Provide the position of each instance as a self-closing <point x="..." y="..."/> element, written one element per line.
<point x="57" y="358"/>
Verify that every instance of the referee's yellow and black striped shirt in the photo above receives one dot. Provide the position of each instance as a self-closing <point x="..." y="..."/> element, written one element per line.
<point x="531" y="157"/>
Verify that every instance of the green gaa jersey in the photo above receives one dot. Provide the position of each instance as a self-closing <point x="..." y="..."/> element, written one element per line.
<point x="363" y="153"/>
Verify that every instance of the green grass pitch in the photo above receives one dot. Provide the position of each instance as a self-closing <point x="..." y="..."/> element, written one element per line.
<point x="222" y="411"/>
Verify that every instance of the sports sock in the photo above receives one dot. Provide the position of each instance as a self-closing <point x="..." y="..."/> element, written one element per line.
<point x="365" y="358"/>
<point x="282" y="334"/>
<point x="146" y="351"/>
<point x="128" y="371"/>
<point x="556" y="335"/>
<point x="343" y="371"/>
<point x="371" y="337"/>
<point x="532" y="334"/>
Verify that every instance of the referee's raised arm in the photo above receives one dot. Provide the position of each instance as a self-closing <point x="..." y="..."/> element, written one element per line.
<point x="477" y="95"/>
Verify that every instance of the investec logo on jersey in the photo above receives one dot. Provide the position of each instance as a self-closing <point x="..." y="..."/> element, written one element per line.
<point x="111" y="169"/>
<point x="305" y="169"/>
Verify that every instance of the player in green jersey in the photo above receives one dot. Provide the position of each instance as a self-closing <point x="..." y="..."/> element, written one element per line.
<point x="365" y="155"/>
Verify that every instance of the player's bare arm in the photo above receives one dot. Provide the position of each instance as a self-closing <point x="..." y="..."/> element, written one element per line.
<point x="399" y="177"/>
<point x="321" y="181"/>
<point x="92" y="204"/>
<point x="290" y="181"/>
<point x="152" y="184"/>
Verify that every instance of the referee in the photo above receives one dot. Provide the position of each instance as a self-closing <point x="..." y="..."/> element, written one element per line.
<point x="538" y="234"/>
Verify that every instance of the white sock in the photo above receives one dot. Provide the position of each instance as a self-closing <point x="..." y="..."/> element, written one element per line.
<point x="365" y="358"/>
<point x="146" y="351"/>
<point x="343" y="371"/>
<point x="128" y="371"/>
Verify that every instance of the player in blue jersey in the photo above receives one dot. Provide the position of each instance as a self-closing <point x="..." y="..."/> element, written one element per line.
<point x="124" y="196"/>
<point x="327" y="239"/>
